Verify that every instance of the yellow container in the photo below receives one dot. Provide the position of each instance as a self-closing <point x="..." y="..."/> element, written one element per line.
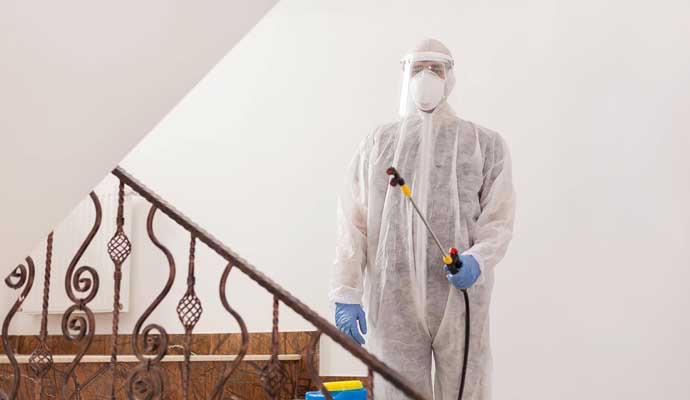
<point x="343" y="385"/>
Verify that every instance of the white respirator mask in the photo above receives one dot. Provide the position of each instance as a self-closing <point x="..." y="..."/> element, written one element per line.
<point x="427" y="90"/>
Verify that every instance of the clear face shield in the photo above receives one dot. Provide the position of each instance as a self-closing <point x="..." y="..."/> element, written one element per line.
<point x="427" y="81"/>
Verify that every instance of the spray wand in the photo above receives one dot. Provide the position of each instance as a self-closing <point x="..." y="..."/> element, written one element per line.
<point x="451" y="259"/>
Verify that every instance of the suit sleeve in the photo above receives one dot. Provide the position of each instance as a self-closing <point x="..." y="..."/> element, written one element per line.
<point x="497" y="201"/>
<point x="351" y="243"/>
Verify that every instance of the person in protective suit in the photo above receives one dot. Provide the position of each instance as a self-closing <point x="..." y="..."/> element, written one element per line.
<point x="386" y="263"/>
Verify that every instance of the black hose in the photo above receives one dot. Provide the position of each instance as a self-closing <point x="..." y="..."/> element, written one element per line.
<point x="467" y="344"/>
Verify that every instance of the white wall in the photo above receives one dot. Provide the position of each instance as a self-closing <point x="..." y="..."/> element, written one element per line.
<point x="81" y="83"/>
<point x="591" y="301"/>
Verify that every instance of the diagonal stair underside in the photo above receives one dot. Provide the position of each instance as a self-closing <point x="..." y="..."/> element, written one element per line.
<point x="82" y="83"/>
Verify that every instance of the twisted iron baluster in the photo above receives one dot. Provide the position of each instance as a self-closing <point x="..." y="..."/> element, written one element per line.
<point x="41" y="359"/>
<point x="218" y="389"/>
<point x="77" y="327"/>
<point x="189" y="311"/>
<point x="273" y="374"/>
<point x="25" y="279"/>
<point x="146" y="381"/>
<point x="370" y="388"/>
<point x="119" y="249"/>
<point x="313" y="369"/>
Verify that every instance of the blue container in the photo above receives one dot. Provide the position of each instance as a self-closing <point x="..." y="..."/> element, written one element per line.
<point x="356" y="394"/>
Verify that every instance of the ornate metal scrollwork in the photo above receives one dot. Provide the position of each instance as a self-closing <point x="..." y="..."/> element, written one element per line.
<point x="145" y="382"/>
<point x="273" y="374"/>
<point x="218" y="389"/>
<point x="78" y="321"/>
<point x="150" y="341"/>
<point x="41" y="358"/>
<point x="189" y="311"/>
<point x="119" y="249"/>
<point x="20" y="277"/>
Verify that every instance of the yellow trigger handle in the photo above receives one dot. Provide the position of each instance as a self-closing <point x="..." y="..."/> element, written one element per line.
<point x="406" y="190"/>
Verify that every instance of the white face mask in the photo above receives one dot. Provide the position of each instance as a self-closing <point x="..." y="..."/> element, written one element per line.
<point x="428" y="90"/>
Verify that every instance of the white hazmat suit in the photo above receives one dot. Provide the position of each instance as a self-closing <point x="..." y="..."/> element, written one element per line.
<point x="460" y="176"/>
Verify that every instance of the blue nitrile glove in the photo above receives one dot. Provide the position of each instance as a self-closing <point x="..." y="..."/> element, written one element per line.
<point x="468" y="274"/>
<point x="346" y="318"/>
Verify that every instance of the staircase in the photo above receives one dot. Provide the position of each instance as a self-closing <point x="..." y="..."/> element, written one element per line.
<point x="150" y="342"/>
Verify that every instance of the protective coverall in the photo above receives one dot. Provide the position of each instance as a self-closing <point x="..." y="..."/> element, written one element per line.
<point x="460" y="176"/>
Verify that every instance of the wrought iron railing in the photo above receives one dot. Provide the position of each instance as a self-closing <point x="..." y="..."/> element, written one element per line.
<point x="150" y="341"/>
